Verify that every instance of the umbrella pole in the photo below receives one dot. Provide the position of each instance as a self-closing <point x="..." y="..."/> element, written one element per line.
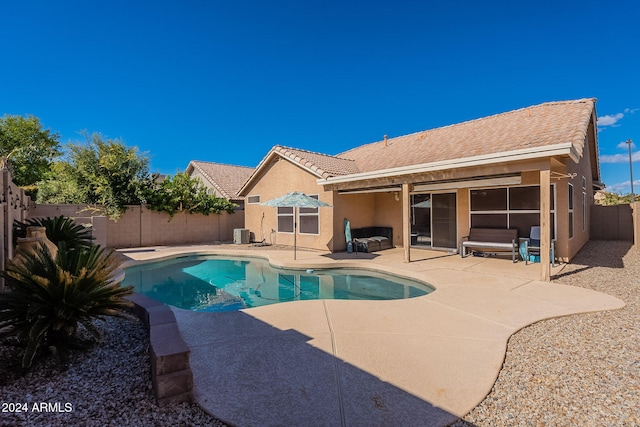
<point x="295" y="231"/>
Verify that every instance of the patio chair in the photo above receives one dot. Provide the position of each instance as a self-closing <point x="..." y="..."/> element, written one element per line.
<point x="532" y="246"/>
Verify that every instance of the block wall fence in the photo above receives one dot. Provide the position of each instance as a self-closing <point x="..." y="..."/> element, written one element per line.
<point x="140" y="226"/>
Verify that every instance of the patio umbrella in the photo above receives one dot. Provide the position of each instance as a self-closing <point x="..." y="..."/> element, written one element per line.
<point x="347" y="233"/>
<point x="295" y="200"/>
<point x="425" y="204"/>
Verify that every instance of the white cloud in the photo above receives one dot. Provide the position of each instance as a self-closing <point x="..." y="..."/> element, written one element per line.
<point x="620" y="158"/>
<point x="625" y="146"/>
<point x="624" y="187"/>
<point x="631" y="110"/>
<point x="610" y="120"/>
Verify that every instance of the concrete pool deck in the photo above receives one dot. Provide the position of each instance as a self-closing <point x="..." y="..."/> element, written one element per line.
<point x="422" y="361"/>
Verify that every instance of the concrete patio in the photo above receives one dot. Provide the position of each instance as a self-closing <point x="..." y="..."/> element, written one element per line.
<point x="421" y="361"/>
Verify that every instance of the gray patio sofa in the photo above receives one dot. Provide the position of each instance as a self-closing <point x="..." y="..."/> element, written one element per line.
<point x="371" y="239"/>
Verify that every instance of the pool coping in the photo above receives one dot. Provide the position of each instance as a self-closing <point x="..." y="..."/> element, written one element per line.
<point x="486" y="301"/>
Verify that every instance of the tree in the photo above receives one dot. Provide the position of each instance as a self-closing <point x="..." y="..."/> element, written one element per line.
<point x="183" y="193"/>
<point x="102" y="172"/>
<point x="606" y="198"/>
<point x="27" y="148"/>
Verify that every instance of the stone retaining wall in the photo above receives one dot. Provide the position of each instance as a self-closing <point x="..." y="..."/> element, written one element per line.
<point x="170" y="370"/>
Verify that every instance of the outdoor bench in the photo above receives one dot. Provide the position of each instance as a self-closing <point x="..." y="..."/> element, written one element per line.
<point x="491" y="240"/>
<point x="371" y="239"/>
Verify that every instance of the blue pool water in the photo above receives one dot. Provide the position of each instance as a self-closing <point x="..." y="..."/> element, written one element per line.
<point x="213" y="283"/>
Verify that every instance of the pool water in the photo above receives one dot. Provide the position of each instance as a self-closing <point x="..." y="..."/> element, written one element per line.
<point x="213" y="283"/>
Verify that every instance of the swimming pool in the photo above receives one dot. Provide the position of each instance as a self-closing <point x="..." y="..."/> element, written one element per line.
<point x="215" y="283"/>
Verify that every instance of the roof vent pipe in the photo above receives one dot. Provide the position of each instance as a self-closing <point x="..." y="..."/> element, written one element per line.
<point x="385" y="140"/>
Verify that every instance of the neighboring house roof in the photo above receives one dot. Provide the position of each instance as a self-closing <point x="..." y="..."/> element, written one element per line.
<point x="552" y="128"/>
<point x="226" y="179"/>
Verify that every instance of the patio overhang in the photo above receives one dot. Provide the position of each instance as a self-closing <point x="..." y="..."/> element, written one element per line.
<point x="452" y="184"/>
<point x="494" y="181"/>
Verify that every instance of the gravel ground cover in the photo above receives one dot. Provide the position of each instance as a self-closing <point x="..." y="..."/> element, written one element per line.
<point x="107" y="385"/>
<point x="580" y="370"/>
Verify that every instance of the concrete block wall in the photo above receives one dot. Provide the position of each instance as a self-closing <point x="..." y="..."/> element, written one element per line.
<point x="635" y="210"/>
<point x="612" y="223"/>
<point x="171" y="374"/>
<point x="140" y="226"/>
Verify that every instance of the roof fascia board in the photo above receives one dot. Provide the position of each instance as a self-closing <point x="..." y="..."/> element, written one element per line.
<point x="508" y="156"/>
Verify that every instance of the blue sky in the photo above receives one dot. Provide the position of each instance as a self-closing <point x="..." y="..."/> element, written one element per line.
<point x="224" y="81"/>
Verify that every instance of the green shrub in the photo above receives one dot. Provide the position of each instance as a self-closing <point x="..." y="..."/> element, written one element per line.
<point x="59" y="229"/>
<point x="49" y="298"/>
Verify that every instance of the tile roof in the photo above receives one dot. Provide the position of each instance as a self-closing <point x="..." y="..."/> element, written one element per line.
<point x="322" y="165"/>
<point x="226" y="179"/>
<point x="541" y="125"/>
<point x="532" y="128"/>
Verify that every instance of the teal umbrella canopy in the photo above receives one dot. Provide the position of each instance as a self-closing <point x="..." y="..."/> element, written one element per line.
<point x="425" y="204"/>
<point x="347" y="230"/>
<point x="295" y="200"/>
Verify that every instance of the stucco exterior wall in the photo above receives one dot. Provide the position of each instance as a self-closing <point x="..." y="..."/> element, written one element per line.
<point x="463" y="212"/>
<point x="359" y="209"/>
<point x="388" y="213"/>
<point x="581" y="222"/>
<point x="281" y="177"/>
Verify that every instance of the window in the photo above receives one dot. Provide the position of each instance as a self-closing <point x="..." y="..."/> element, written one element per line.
<point x="489" y="200"/>
<point x="285" y="220"/>
<point x="524" y="198"/>
<point x="253" y="199"/>
<point x="584" y="211"/>
<point x="570" y="201"/>
<point x="309" y="219"/>
<point x="509" y="207"/>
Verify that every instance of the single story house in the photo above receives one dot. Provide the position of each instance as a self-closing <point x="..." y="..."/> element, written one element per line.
<point x="535" y="166"/>
<point x="221" y="180"/>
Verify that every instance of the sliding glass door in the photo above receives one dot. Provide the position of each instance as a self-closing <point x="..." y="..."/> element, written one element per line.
<point x="433" y="220"/>
<point x="443" y="217"/>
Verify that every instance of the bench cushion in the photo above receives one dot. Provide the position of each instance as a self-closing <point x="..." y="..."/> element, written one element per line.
<point x="491" y="239"/>
<point x="492" y="245"/>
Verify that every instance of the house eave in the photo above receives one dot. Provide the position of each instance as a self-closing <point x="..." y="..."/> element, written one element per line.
<point x="563" y="149"/>
<point x="266" y="160"/>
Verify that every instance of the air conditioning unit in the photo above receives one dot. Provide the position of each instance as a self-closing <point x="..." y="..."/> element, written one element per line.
<point x="240" y="236"/>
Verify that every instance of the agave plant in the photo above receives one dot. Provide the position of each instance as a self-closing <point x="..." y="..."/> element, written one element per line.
<point x="49" y="298"/>
<point x="59" y="229"/>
